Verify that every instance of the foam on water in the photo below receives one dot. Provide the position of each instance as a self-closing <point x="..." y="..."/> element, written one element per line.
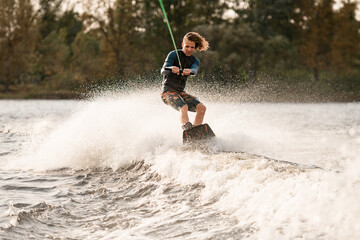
<point x="277" y="202"/>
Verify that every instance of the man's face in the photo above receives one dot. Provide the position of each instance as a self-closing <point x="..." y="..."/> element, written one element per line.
<point x="188" y="47"/>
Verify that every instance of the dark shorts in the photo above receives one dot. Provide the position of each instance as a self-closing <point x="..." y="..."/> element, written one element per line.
<point x="179" y="99"/>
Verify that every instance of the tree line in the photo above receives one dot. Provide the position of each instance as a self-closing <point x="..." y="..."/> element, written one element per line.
<point x="43" y="46"/>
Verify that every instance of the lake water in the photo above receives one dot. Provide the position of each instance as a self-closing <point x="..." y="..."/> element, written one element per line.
<point x="114" y="168"/>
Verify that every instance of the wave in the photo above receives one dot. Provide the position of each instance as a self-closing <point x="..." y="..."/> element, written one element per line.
<point x="274" y="199"/>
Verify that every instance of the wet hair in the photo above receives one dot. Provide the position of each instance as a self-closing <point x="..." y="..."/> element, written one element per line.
<point x="200" y="43"/>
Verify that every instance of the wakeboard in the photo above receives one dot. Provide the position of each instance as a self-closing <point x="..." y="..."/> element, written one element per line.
<point x="201" y="133"/>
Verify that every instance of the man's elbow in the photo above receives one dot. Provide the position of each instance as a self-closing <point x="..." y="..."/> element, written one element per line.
<point x="164" y="71"/>
<point x="193" y="72"/>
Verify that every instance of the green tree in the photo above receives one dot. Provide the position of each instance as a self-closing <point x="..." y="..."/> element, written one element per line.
<point x="17" y="41"/>
<point x="48" y="16"/>
<point x="70" y="22"/>
<point x="54" y="54"/>
<point x="346" y="40"/>
<point x="268" y="23"/>
<point x="279" y="54"/>
<point x="267" y="18"/>
<point x="241" y="48"/>
<point x="86" y="59"/>
<point x="58" y="31"/>
<point x="317" y="34"/>
<point x="121" y="36"/>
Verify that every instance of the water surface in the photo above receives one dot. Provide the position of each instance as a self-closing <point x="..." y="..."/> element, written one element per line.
<point x="114" y="168"/>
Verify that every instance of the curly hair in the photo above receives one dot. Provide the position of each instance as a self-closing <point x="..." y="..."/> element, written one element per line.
<point x="200" y="43"/>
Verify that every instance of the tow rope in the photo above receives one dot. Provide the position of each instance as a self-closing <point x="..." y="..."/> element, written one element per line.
<point x="168" y="24"/>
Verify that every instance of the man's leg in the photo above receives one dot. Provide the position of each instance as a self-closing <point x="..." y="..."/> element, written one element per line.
<point x="174" y="99"/>
<point x="184" y="116"/>
<point x="200" y="113"/>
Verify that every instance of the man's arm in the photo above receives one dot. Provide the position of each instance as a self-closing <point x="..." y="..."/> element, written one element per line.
<point x="169" y="62"/>
<point x="193" y="69"/>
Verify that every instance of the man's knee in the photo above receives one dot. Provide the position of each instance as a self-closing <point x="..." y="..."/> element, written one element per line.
<point x="200" y="108"/>
<point x="184" y="108"/>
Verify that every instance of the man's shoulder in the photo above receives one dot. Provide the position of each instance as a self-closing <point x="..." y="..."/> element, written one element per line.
<point x="195" y="59"/>
<point x="172" y="53"/>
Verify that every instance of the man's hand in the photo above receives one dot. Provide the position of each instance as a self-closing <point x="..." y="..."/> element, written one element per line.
<point x="186" y="72"/>
<point x="175" y="70"/>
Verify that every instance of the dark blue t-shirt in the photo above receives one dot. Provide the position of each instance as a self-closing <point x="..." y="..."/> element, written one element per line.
<point x="172" y="80"/>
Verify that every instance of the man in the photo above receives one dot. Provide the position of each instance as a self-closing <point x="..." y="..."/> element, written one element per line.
<point x="175" y="75"/>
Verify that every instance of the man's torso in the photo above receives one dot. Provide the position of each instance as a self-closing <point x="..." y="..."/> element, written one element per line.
<point x="172" y="80"/>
